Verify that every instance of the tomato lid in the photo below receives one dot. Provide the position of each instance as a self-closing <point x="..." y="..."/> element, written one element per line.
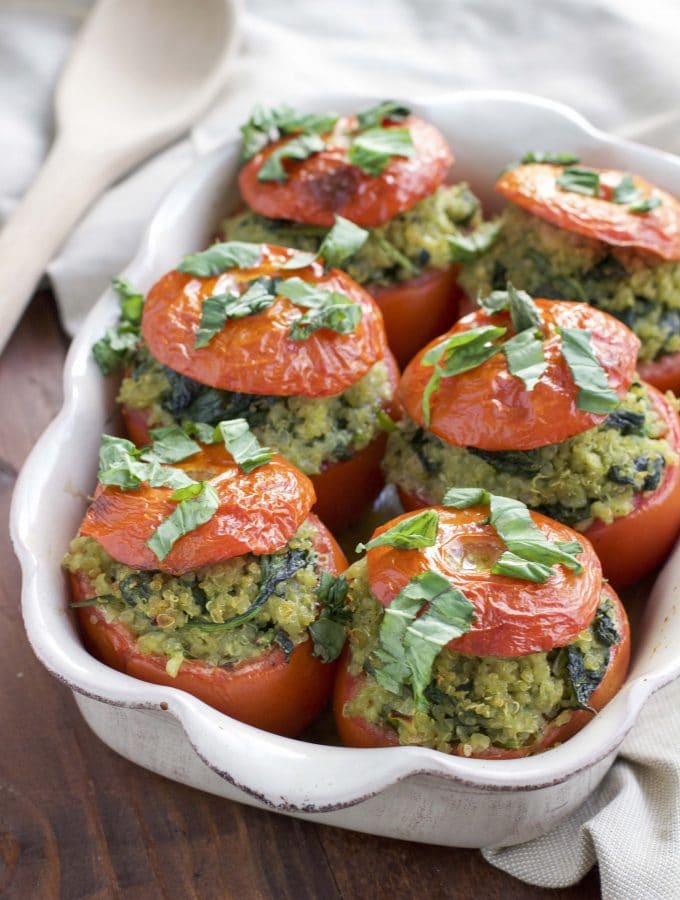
<point x="488" y="408"/>
<point x="535" y="188"/>
<point x="513" y="617"/>
<point x="326" y="184"/>
<point x="258" y="513"/>
<point x="255" y="354"/>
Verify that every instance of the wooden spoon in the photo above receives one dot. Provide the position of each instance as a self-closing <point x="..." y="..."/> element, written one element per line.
<point x="141" y="72"/>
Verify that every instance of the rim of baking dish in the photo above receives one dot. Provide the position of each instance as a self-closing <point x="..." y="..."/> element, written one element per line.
<point x="284" y="773"/>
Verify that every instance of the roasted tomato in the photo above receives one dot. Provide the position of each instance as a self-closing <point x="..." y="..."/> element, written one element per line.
<point x="326" y="184"/>
<point x="535" y="188"/>
<point x="663" y="373"/>
<point x="268" y="691"/>
<point x="417" y="310"/>
<point x="255" y="354"/>
<point x="358" y="732"/>
<point x="258" y="513"/>
<point x="488" y="408"/>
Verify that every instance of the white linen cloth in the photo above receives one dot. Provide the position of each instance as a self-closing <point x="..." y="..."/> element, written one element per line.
<point x="615" y="61"/>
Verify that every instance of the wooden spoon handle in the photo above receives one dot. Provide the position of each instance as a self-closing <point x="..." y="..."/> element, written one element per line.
<point x="65" y="186"/>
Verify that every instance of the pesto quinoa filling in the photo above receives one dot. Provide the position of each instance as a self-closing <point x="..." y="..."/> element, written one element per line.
<point x="477" y="702"/>
<point x="311" y="432"/>
<point x="637" y="287"/>
<point x="182" y="616"/>
<point x="593" y="475"/>
<point x="396" y="251"/>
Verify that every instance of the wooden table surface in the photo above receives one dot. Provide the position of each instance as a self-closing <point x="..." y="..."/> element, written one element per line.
<point x="76" y="820"/>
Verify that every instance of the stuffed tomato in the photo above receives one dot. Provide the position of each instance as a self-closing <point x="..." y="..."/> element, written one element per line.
<point x="478" y="629"/>
<point x="211" y="575"/>
<point x="272" y="336"/>
<point x="383" y="169"/>
<point x="539" y="400"/>
<point x="599" y="235"/>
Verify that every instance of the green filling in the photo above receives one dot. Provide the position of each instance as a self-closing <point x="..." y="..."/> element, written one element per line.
<point x="178" y="616"/>
<point x="593" y="475"/>
<point x="396" y="251"/>
<point x="637" y="287"/>
<point x="310" y="432"/>
<point x="477" y="701"/>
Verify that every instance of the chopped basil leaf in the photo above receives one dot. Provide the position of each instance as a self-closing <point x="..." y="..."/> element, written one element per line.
<point x="170" y="445"/>
<point x="191" y="512"/>
<point x="301" y="147"/>
<point x="463" y="498"/>
<point x="524" y="356"/>
<point x="460" y="353"/>
<point x="468" y="247"/>
<point x="220" y="257"/>
<point x="645" y="206"/>
<point x="330" y="629"/>
<point x="626" y="191"/>
<point x="122" y="465"/>
<point x="267" y="125"/>
<point x="115" y="348"/>
<point x="555" y="159"/>
<point x="299" y="260"/>
<point x="580" y="181"/>
<point x="338" y="314"/>
<point x="523" y="311"/>
<point x="372" y="149"/>
<point x="418" y="530"/>
<point x="375" y="115"/>
<point x="515" y="566"/>
<point x="216" y="310"/>
<point x="594" y="393"/>
<point x="305" y="293"/>
<point x="341" y="242"/>
<point x="240" y="441"/>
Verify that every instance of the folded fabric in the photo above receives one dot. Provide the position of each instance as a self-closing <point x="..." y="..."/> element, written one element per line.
<point x="615" y="61"/>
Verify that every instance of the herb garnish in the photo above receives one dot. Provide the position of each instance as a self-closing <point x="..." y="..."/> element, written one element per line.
<point x="580" y="181"/>
<point x="220" y="257"/>
<point x="123" y="465"/>
<point x="376" y="115"/>
<point x="594" y="393"/>
<point x="219" y="308"/>
<point x="120" y="341"/>
<point x="240" y="441"/>
<point x="330" y="629"/>
<point x="545" y="156"/>
<point x="645" y="206"/>
<point x="468" y="247"/>
<point x="530" y="555"/>
<point x="372" y="149"/>
<point x="341" y="242"/>
<point x="412" y="533"/>
<point x="299" y="148"/>
<point x="197" y="503"/>
<point x="524" y="351"/>
<point x="267" y="125"/>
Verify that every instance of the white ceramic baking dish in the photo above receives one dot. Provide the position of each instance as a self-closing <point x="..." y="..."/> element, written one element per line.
<point x="412" y="793"/>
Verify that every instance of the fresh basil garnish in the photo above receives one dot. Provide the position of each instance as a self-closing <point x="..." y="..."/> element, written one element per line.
<point x="409" y="643"/>
<point x="197" y="503"/>
<point x="267" y="125"/>
<point x="459" y="353"/>
<point x="418" y="530"/>
<point x="524" y="356"/>
<point x="468" y="247"/>
<point x="523" y="538"/>
<point x="546" y="156"/>
<point x="375" y="115"/>
<point x="123" y="465"/>
<point x="580" y="181"/>
<point x="330" y="629"/>
<point x="626" y="191"/>
<point x="645" y="206"/>
<point x="120" y="341"/>
<point x="371" y="150"/>
<point x="338" y="313"/>
<point x="219" y="308"/>
<point x="170" y="445"/>
<point x="298" y="148"/>
<point x="523" y="311"/>
<point x="240" y="441"/>
<point x="594" y="393"/>
<point x="220" y="257"/>
<point x="341" y="242"/>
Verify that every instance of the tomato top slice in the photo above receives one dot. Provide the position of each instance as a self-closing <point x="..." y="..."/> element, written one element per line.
<point x="326" y="184"/>
<point x="258" y="513"/>
<point x="513" y="617"/>
<point x="254" y="354"/>
<point x="534" y="187"/>
<point x="491" y="409"/>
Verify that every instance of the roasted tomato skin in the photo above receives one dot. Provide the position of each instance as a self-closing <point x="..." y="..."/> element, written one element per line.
<point x="417" y="310"/>
<point x="255" y="354"/>
<point x="326" y="184"/>
<point x="513" y="617"/>
<point x="631" y="546"/>
<point x="258" y="513"/>
<point x="268" y="692"/>
<point x="534" y="187"/>
<point x="488" y="408"/>
<point x="663" y="373"/>
<point x="355" y="731"/>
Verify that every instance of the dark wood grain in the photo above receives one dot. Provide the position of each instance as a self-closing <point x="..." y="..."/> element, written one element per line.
<point x="78" y="821"/>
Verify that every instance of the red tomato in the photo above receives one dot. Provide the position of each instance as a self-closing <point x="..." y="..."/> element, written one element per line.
<point x="663" y="373"/>
<point x="513" y="617"/>
<point x="254" y="354"/>
<point x="417" y="310"/>
<point x="266" y="691"/>
<point x="488" y="408"/>
<point x="632" y="545"/>
<point x="258" y="513"/>
<point x="357" y="732"/>
<point x="534" y="187"/>
<point x="326" y="184"/>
